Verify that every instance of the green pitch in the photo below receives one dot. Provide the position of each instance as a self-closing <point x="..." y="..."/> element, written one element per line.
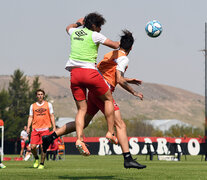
<point x="105" y="168"/>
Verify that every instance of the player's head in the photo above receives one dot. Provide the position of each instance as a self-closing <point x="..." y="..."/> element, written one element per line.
<point x="25" y="128"/>
<point x="94" y="21"/>
<point x="40" y="93"/>
<point x="40" y="90"/>
<point x="126" y="41"/>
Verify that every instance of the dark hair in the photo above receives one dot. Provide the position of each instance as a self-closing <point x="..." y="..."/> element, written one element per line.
<point x="41" y="90"/>
<point x="93" y="18"/>
<point x="127" y="40"/>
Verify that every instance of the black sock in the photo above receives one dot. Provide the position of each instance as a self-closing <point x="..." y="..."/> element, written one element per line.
<point x="42" y="164"/>
<point x="127" y="156"/>
<point x="36" y="157"/>
<point x="53" y="136"/>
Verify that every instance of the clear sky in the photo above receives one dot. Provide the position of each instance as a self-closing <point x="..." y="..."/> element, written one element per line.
<point x="33" y="37"/>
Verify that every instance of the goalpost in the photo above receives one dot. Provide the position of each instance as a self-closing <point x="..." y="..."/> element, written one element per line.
<point x="2" y="139"/>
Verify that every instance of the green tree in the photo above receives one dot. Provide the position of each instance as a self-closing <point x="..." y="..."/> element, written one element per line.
<point x="15" y="103"/>
<point x="19" y="106"/>
<point x="19" y="91"/>
<point x="4" y="103"/>
<point x="182" y="130"/>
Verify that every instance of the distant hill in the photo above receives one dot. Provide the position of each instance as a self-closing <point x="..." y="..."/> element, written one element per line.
<point x="160" y="101"/>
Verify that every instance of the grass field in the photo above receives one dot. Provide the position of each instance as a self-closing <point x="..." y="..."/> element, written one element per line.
<point x="106" y="167"/>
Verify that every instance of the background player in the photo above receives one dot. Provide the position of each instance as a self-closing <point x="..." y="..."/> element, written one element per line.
<point x="24" y="140"/>
<point x="41" y="117"/>
<point x="2" y="166"/>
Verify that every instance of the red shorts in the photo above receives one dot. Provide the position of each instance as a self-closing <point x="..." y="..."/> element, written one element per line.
<point x="94" y="104"/>
<point x="91" y="79"/>
<point x="36" y="136"/>
<point x="22" y="144"/>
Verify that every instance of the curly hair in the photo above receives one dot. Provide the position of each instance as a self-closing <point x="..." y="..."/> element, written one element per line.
<point x="127" y="40"/>
<point x="93" y="18"/>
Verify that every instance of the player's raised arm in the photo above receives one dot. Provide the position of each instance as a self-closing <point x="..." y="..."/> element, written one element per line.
<point x="111" y="44"/>
<point x="75" y="25"/>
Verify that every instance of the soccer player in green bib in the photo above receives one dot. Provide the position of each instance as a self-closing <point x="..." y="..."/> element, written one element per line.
<point x="82" y="61"/>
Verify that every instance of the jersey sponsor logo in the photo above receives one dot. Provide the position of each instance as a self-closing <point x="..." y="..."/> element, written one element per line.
<point x="40" y="111"/>
<point x="77" y="38"/>
<point x="81" y="33"/>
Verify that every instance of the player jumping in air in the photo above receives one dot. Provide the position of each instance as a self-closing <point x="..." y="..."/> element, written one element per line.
<point x="84" y="75"/>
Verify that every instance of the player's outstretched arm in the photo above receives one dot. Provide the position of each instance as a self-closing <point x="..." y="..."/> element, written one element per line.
<point x="133" y="81"/>
<point x="124" y="84"/>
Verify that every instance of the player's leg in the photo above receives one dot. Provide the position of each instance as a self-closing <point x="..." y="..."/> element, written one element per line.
<point x="43" y="154"/>
<point x="2" y="166"/>
<point x="121" y="132"/>
<point x="34" y="153"/>
<point x="28" y="152"/>
<point x="101" y="90"/>
<point x="33" y="144"/>
<point x="22" y="148"/>
<point x="79" y="119"/>
<point x="79" y="123"/>
<point x="54" y="155"/>
<point x="109" y="110"/>
<point x="65" y="129"/>
<point x="129" y="162"/>
<point x="47" y="155"/>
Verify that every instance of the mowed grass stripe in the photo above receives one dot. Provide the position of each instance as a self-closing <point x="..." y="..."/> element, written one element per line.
<point x="106" y="167"/>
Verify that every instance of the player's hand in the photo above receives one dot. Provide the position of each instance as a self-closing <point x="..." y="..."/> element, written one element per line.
<point x="81" y="20"/>
<point x="136" y="81"/>
<point x="139" y="95"/>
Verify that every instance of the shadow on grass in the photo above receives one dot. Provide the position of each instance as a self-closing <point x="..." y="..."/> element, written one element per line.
<point x="30" y="167"/>
<point x="86" y="177"/>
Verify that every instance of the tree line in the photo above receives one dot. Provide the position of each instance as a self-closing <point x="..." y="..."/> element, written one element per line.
<point x="136" y="127"/>
<point x="15" y="103"/>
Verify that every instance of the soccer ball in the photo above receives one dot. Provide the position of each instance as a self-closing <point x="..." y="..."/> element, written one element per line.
<point x="153" y="28"/>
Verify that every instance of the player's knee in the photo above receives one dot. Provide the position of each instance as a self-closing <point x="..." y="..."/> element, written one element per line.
<point x="33" y="146"/>
<point x="107" y="96"/>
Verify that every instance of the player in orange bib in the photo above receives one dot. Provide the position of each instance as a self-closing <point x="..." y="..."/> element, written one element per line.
<point x="112" y="68"/>
<point x="41" y="117"/>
